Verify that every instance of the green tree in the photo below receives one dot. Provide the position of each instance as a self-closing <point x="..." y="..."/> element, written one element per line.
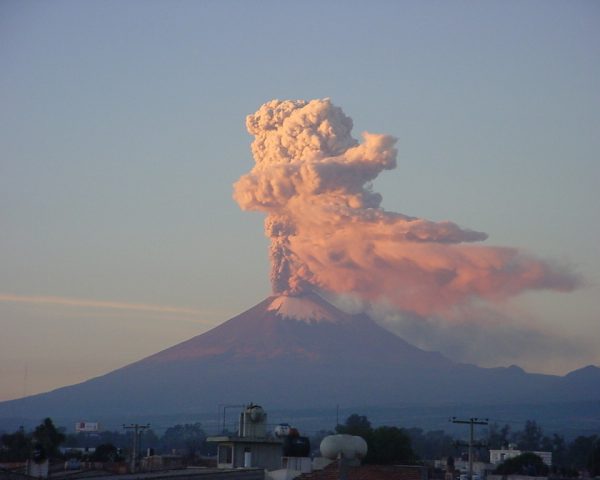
<point x="525" y="464"/>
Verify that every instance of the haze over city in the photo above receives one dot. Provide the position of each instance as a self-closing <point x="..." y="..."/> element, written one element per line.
<point x="124" y="133"/>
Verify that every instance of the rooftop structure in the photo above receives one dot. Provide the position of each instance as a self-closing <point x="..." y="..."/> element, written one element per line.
<point x="251" y="447"/>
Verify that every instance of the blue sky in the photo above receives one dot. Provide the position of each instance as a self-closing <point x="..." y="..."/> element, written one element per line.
<point x="122" y="132"/>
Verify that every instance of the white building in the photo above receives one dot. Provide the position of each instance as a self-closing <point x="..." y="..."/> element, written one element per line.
<point x="500" y="456"/>
<point x="252" y="447"/>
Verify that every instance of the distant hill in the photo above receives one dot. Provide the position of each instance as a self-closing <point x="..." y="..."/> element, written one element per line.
<point x="298" y="352"/>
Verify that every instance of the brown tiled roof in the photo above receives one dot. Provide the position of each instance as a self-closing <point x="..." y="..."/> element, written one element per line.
<point x="367" y="472"/>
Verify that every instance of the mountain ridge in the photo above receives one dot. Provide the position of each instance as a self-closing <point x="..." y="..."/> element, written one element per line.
<point x="298" y="352"/>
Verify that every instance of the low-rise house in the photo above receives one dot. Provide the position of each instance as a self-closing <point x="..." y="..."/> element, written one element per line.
<point x="251" y="447"/>
<point x="236" y="452"/>
<point x="500" y="456"/>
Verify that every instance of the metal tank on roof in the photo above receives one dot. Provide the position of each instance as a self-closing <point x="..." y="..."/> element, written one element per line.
<point x="253" y="422"/>
<point x="345" y="446"/>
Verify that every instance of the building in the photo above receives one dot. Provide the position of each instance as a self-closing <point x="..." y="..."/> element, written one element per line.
<point x="251" y="448"/>
<point x="499" y="456"/>
<point x="236" y="452"/>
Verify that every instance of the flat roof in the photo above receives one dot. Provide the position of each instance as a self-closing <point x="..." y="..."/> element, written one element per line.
<point x="237" y="439"/>
<point x="185" y="473"/>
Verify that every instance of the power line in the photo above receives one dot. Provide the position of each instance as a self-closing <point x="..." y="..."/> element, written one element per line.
<point x="137" y="433"/>
<point x="471" y="422"/>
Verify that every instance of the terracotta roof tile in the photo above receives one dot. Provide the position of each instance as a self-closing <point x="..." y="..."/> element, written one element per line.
<point x="367" y="472"/>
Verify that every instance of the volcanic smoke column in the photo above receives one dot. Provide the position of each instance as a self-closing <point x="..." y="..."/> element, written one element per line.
<point x="329" y="232"/>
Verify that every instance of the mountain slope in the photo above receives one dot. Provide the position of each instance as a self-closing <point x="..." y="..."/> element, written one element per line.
<point x="291" y="352"/>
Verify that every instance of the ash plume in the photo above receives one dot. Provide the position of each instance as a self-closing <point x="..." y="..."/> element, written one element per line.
<point x="329" y="232"/>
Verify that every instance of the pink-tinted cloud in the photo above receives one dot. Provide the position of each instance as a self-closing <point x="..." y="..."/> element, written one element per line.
<point x="329" y="232"/>
<point x="80" y="302"/>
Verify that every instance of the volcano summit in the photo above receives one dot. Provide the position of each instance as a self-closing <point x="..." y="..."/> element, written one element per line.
<point x="297" y="351"/>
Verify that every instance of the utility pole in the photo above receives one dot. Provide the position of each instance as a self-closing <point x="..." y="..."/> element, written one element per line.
<point x="137" y="433"/>
<point x="471" y="422"/>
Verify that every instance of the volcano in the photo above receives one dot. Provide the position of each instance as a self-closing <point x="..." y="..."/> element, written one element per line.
<point x="297" y="352"/>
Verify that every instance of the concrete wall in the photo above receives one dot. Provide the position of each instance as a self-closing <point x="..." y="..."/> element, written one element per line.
<point x="263" y="456"/>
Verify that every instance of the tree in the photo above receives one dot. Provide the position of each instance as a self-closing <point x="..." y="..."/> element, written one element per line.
<point x="525" y="464"/>
<point x="106" y="452"/>
<point x="559" y="450"/>
<point x="431" y="445"/>
<point x="190" y="438"/>
<point x="498" y="437"/>
<point x="357" y="425"/>
<point x="46" y="439"/>
<point x="385" y="444"/>
<point x="389" y="445"/>
<point x="531" y="437"/>
<point x="15" y="447"/>
<point x="593" y="460"/>
<point x="580" y="451"/>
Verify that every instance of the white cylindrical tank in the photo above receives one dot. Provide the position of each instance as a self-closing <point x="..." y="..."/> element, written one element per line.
<point x="360" y="446"/>
<point x="348" y="446"/>
<point x="247" y="459"/>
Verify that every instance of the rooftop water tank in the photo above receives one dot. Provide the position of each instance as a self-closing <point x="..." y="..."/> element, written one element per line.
<point x="348" y="446"/>
<point x="253" y="422"/>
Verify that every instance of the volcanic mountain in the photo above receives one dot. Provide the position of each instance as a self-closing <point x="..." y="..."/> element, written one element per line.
<point x="293" y="352"/>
